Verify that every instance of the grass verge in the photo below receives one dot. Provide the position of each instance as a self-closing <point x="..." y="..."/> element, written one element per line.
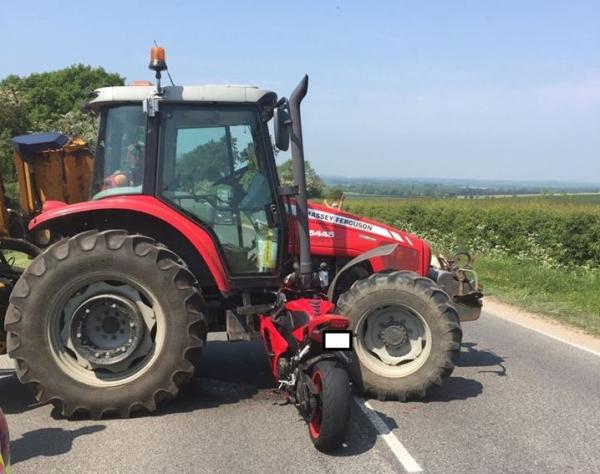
<point x="568" y="295"/>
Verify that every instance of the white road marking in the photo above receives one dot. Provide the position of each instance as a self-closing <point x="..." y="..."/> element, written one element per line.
<point x="390" y="439"/>
<point x="551" y="336"/>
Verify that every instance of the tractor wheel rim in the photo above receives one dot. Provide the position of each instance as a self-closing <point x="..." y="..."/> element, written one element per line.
<point x="106" y="329"/>
<point x="107" y="333"/>
<point x="393" y="340"/>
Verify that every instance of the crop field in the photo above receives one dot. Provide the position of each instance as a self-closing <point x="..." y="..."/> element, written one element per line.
<point x="542" y="253"/>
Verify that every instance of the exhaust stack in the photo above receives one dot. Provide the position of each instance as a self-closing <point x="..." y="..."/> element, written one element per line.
<point x="305" y="270"/>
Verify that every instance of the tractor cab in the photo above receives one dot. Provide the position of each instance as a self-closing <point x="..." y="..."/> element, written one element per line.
<point x="202" y="150"/>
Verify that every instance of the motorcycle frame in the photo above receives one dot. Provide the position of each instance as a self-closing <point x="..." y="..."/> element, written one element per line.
<point x="318" y="317"/>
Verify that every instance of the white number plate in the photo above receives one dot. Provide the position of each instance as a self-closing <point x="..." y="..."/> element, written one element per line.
<point x="337" y="340"/>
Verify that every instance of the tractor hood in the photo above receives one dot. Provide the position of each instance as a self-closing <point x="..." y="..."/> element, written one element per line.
<point x="341" y="234"/>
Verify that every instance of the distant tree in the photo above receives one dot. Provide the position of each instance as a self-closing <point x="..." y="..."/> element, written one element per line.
<point x="48" y="101"/>
<point x="76" y="124"/>
<point x="334" y="194"/>
<point x="314" y="184"/>
<point x="14" y="120"/>
<point x="53" y="94"/>
<point x="204" y="165"/>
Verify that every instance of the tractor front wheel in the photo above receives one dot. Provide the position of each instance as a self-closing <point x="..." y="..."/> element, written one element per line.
<point x="407" y="334"/>
<point x="105" y="323"/>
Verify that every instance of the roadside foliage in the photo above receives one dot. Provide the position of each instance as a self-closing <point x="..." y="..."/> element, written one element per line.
<point x="553" y="230"/>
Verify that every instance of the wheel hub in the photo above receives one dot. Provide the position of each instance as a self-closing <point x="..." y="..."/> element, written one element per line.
<point x="395" y="336"/>
<point x="106" y="329"/>
<point x="393" y="339"/>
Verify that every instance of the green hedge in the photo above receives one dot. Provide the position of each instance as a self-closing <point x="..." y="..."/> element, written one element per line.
<point x="552" y="230"/>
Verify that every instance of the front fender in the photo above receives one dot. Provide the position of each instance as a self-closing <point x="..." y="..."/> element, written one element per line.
<point x="61" y="217"/>
<point x="384" y="258"/>
<point x="376" y="253"/>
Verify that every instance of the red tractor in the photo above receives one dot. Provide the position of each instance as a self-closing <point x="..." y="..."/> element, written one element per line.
<point x="188" y="230"/>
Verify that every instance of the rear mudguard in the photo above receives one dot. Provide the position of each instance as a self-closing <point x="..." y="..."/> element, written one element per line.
<point x="57" y="214"/>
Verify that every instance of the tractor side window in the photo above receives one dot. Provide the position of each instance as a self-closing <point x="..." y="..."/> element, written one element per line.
<point x="119" y="163"/>
<point x="212" y="169"/>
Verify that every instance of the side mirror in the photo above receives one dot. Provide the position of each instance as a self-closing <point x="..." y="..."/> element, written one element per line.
<point x="282" y="124"/>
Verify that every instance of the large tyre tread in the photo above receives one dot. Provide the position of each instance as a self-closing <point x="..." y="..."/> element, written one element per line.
<point x="430" y="292"/>
<point x="112" y="240"/>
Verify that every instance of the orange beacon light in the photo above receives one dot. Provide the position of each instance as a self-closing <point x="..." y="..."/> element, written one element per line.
<point x="157" y="59"/>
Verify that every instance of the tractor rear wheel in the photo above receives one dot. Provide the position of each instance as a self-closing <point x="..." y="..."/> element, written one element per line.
<point x="105" y="323"/>
<point x="407" y="334"/>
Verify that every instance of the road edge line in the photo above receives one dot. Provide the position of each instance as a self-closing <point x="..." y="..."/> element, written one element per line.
<point x="397" y="448"/>
<point x="544" y="333"/>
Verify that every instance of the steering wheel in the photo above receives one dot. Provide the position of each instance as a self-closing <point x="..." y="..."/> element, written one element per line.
<point x="232" y="178"/>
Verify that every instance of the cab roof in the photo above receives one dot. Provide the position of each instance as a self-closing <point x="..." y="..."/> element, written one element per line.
<point x="225" y="93"/>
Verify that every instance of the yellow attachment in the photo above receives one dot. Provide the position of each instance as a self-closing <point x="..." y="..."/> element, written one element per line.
<point x="59" y="175"/>
<point x="3" y="468"/>
<point x="4" y="224"/>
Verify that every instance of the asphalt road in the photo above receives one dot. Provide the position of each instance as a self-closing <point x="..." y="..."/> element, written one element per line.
<point x="518" y="402"/>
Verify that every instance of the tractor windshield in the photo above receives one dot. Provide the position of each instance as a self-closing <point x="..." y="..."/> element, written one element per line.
<point x="119" y="164"/>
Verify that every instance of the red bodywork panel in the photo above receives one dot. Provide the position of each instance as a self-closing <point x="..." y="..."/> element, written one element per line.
<point x="341" y="234"/>
<point x="333" y="233"/>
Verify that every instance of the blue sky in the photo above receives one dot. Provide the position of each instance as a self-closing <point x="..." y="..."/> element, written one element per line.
<point x="459" y="89"/>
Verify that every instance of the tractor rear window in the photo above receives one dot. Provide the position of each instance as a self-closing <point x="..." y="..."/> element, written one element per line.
<point x="119" y="164"/>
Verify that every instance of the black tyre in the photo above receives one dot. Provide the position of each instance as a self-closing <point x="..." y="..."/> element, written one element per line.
<point x="329" y="420"/>
<point x="9" y="274"/>
<point x="407" y="334"/>
<point x="105" y="323"/>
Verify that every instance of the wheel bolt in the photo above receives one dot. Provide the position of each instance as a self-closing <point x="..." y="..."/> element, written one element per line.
<point x="113" y="305"/>
<point x="87" y="311"/>
<point x="131" y="325"/>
